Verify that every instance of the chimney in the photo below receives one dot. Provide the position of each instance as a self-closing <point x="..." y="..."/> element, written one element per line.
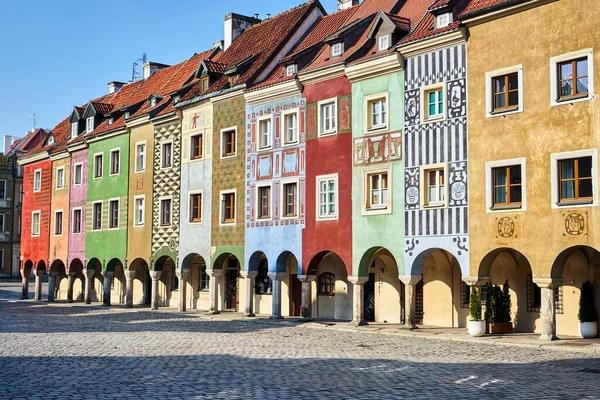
<point x="114" y="86"/>
<point x="218" y="44"/>
<point x="343" y="4"/>
<point x="151" y="67"/>
<point x="235" y="24"/>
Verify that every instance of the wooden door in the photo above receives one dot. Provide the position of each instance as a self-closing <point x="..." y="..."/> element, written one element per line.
<point x="231" y="282"/>
<point x="295" y="296"/>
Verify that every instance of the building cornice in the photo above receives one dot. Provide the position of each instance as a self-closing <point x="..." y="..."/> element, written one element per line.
<point x="272" y="93"/>
<point x="107" y="135"/>
<point x="434" y="43"/>
<point x="483" y="16"/>
<point x="33" y="158"/>
<point x="60" y="156"/>
<point x="320" y="75"/>
<point x="165" y="118"/>
<point x="77" y="146"/>
<point x="143" y="119"/>
<point x="374" y="68"/>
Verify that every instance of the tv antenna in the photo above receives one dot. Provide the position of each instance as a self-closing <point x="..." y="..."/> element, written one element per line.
<point x="135" y="75"/>
<point x="34" y="120"/>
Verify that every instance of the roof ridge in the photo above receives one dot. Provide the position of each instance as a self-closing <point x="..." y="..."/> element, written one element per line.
<point x="264" y="21"/>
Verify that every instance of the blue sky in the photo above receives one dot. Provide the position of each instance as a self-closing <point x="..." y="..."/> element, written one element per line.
<point x="57" y="54"/>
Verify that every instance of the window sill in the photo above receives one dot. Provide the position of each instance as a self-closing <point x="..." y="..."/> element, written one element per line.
<point x="566" y="100"/>
<point x="575" y="203"/>
<point x="223" y="157"/>
<point x="328" y="133"/>
<point x="434" y="205"/>
<point x="508" y="111"/>
<point x="507" y="207"/>
<point x="288" y="144"/>
<point x="436" y="118"/>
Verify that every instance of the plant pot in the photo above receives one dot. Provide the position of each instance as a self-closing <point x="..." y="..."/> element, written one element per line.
<point x="500" y="327"/>
<point x="476" y="328"/>
<point x="588" y="330"/>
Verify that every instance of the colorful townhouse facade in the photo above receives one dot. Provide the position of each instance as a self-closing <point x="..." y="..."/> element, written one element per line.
<point x="11" y="183"/>
<point x="367" y="165"/>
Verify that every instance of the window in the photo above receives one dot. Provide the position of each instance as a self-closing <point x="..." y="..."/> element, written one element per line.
<point x="58" y="223"/>
<point x="21" y="193"/>
<point x="37" y="180"/>
<point x="534" y="296"/>
<point x="2" y="227"/>
<point x="228" y="208"/>
<point x="264" y="202"/>
<point x="504" y="91"/>
<point x="575" y="179"/>
<point x="89" y="124"/>
<point x="165" y="212"/>
<point x="98" y="165"/>
<point x="77" y="220"/>
<point x="558" y="300"/>
<point x="126" y="115"/>
<point x="115" y="160"/>
<point x="376" y="111"/>
<point x="204" y="84"/>
<point x="233" y="79"/>
<point x="262" y="283"/>
<point x="111" y="120"/>
<point x="265" y="133"/>
<point x="204" y="279"/>
<point x="327" y="117"/>
<point x="19" y="217"/>
<point x="166" y="154"/>
<point x="196" y="207"/>
<point x="196" y="151"/>
<point x="508" y="186"/>
<point x="327" y="284"/>
<point x="139" y="211"/>
<point x="290" y="128"/>
<point x="337" y="49"/>
<point x="290" y="198"/>
<point x="434" y="103"/>
<point x="97" y="216"/>
<point x="60" y="178"/>
<point x="74" y="130"/>
<point x="35" y="223"/>
<point x="113" y="214"/>
<point x="435" y="187"/>
<point x="383" y="43"/>
<point x="2" y="190"/>
<point x="140" y="157"/>
<point x="465" y="294"/>
<point x="290" y="70"/>
<point x="443" y="20"/>
<point x="153" y="102"/>
<point x="78" y="174"/>
<point x="327" y="201"/>
<point x="572" y="77"/>
<point x="228" y="143"/>
<point x="377" y="190"/>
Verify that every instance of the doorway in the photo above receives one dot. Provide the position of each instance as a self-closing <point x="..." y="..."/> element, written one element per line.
<point x="231" y="289"/>
<point x="369" y="299"/>
<point x="295" y="296"/>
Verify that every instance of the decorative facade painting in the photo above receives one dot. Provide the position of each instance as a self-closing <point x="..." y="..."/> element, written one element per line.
<point x="378" y="149"/>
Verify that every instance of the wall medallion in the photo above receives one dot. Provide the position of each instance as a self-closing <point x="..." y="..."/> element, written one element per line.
<point x="412" y="195"/>
<point x="575" y="224"/>
<point x="506" y="227"/>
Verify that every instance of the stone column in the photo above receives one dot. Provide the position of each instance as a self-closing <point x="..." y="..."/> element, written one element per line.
<point x="213" y="289"/>
<point x="410" y="285"/>
<point x="276" y="277"/>
<point x="155" y="275"/>
<point x="89" y="279"/>
<point x="307" y="281"/>
<point x="39" y="273"/>
<point x="129" y="276"/>
<point x="358" y="309"/>
<point x="548" y="308"/>
<point x="108" y="277"/>
<point x="71" y="278"/>
<point x="249" y="277"/>
<point x="25" y="283"/>
<point x="51" y="286"/>
<point x="183" y="275"/>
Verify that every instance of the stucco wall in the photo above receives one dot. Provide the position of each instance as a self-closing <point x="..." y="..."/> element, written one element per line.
<point x="59" y="244"/>
<point x="77" y="199"/>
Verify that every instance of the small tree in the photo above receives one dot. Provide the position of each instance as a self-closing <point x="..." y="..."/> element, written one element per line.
<point x="475" y="305"/>
<point x="504" y="312"/>
<point x="498" y="304"/>
<point x="587" y="308"/>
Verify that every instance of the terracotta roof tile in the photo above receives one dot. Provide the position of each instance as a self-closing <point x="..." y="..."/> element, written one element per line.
<point x="102" y="108"/>
<point x="481" y="5"/>
<point x="426" y="29"/>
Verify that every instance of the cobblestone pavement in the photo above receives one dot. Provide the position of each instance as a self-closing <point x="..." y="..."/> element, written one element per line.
<point x="77" y="352"/>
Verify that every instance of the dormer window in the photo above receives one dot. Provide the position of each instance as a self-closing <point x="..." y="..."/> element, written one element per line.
<point x="233" y="79"/>
<point x="176" y="99"/>
<point x="290" y="70"/>
<point x="153" y="102"/>
<point x="111" y="120"/>
<point x="337" y="49"/>
<point x="50" y="140"/>
<point x="74" y="130"/>
<point x="89" y="124"/>
<point x="443" y="20"/>
<point x="204" y="84"/>
<point x="126" y="115"/>
<point x="383" y="43"/>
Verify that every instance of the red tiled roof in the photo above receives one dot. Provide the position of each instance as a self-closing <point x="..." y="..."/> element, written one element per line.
<point x="215" y="67"/>
<point x="80" y="110"/>
<point x="439" y="3"/>
<point x="102" y="108"/>
<point x="426" y="29"/>
<point x="480" y="5"/>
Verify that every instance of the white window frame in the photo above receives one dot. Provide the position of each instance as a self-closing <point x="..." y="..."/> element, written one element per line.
<point x="221" y="193"/>
<point x="96" y="176"/>
<point x="489" y="184"/>
<point x="59" y="184"/>
<point x="320" y="105"/>
<point x="144" y="156"/>
<point x="337" y="49"/>
<point x="94" y="215"/>
<point x="284" y="115"/>
<point x="80" y="209"/>
<point x="291" y="69"/>
<point x="425" y="90"/>
<point x="365" y="193"/>
<point x="162" y="154"/>
<point x="283" y="200"/>
<point x="118" y="201"/>
<point x="367" y="112"/>
<point x="80" y="165"/>
<point x="89" y="124"/>
<point x="3" y="181"/>
<point x="555" y="158"/>
<point x="112" y="151"/>
<point x="259" y="122"/>
<point x="136" y="222"/>
<point x="554" y="61"/>
<point x="37" y="183"/>
<point x="326" y="178"/>
<point x="62" y="228"/>
<point x="489" y="103"/>
<point x="160" y="209"/>
<point x="383" y="42"/>
<point x="74" y="130"/>
<point x="424" y="186"/>
<point x="2" y="223"/>
<point x="257" y="201"/>
<point x="223" y="131"/>
<point x="39" y="215"/>
<point x="190" y="205"/>
<point x="443" y="20"/>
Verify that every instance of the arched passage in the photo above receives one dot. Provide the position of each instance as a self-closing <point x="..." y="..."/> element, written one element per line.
<point x="58" y="273"/>
<point x="169" y="283"/>
<point x="142" y="283"/>
<point x="118" y="281"/>
<point x="198" y="283"/>
<point x="331" y="291"/>
<point x="75" y="269"/>
<point x="28" y="267"/>
<point x="573" y="267"/>
<point x="291" y="304"/>
<point x="97" y="284"/>
<point x="263" y="285"/>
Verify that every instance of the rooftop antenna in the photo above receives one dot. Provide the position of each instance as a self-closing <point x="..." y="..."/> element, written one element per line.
<point x="34" y="120"/>
<point x="135" y="75"/>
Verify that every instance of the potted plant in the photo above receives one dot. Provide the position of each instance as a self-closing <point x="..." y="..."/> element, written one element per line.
<point x="476" y="325"/>
<point x="588" y="317"/>
<point x="497" y="313"/>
